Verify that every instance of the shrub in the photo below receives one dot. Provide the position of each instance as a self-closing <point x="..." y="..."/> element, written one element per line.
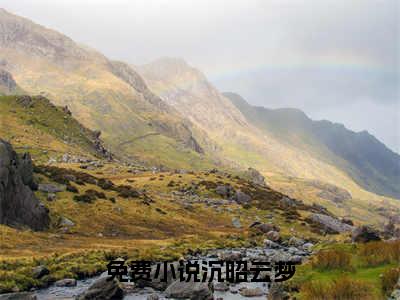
<point x="389" y="279"/>
<point x="332" y="259"/>
<point x="343" y="288"/>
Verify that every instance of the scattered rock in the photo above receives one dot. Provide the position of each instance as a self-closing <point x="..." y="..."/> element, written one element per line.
<point x="364" y="234"/>
<point x="225" y="191"/>
<point x="66" y="222"/>
<point x="51" y="197"/>
<point x="153" y="297"/>
<point x="103" y="289"/>
<point x="221" y="286"/>
<point x="265" y="228"/>
<point x="296" y="242"/>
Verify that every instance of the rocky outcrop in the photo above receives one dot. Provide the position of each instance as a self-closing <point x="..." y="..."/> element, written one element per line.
<point x="364" y="234"/>
<point x="18" y="204"/>
<point x="255" y="176"/>
<point x="7" y="83"/>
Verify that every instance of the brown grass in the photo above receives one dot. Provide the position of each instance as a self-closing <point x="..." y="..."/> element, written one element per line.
<point x="332" y="259"/>
<point x="389" y="280"/>
<point x="340" y="289"/>
<point x="377" y="253"/>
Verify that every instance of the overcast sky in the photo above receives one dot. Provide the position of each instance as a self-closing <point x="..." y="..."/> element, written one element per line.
<point x="336" y="60"/>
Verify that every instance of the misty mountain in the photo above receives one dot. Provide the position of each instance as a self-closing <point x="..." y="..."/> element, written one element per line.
<point x="368" y="161"/>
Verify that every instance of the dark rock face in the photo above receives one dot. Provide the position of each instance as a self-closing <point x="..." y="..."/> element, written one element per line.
<point x="103" y="289"/>
<point x="18" y="204"/>
<point x="364" y="234"/>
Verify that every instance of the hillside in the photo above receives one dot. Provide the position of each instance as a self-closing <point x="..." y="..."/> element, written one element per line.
<point x="104" y="95"/>
<point x="48" y="132"/>
<point x="366" y="160"/>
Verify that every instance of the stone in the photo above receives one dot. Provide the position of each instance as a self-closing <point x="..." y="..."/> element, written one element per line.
<point x="66" y="222"/>
<point x="329" y="224"/>
<point x="221" y="286"/>
<point x="66" y="282"/>
<point x="265" y="228"/>
<point x="153" y="297"/>
<point x="231" y="256"/>
<point x="364" y="234"/>
<point x="256" y="177"/>
<point x="296" y="242"/>
<point x="191" y="290"/>
<point x="236" y="223"/>
<point x="225" y="191"/>
<point x="157" y="283"/>
<point x="103" y="288"/>
<point x="18" y="296"/>
<point x="18" y="204"/>
<point x="251" y="292"/>
<point x="51" y="188"/>
<point x="40" y="271"/>
<point x="271" y="244"/>
<point x="51" y="197"/>
<point x="308" y="247"/>
<point x="273" y="235"/>
<point x="242" y="198"/>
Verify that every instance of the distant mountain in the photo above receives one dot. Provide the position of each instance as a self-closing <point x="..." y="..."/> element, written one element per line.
<point x="103" y="94"/>
<point x="365" y="159"/>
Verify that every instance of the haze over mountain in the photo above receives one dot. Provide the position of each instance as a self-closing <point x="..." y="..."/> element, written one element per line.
<point x="369" y="162"/>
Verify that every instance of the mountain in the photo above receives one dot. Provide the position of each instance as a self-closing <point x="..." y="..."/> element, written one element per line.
<point x="365" y="159"/>
<point x="104" y="95"/>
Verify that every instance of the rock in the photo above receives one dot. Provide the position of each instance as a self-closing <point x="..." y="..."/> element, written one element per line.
<point x="103" y="288"/>
<point x="296" y="242"/>
<point x="236" y="223"/>
<point x="251" y="292"/>
<point x="191" y="290"/>
<point x="395" y="295"/>
<point x="66" y="222"/>
<point x="40" y="271"/>
<point x="66" y="282"/>
<point x="51" y="197"/>
<point x="221" y="286"/>
<point x="329" y="224"/>
<point x="277" y="292"/>
<point x="242" y="198"/>
<point x="18" y="296"/>
<point x="18" y="204"/>
<point x="153" y="297"/>
<point x="308" y="247"/>
<point x="255" y="176"/>
<point x="273" y="235"/>
<point x="255" y="224"/>
<point x="347" y="221"/>
<point x="51" y="188"/>
<point x="7" y="82"/>
<point x="271" y="244"/>
<point x="225" y="191"/>
<point x="364" y="234"/>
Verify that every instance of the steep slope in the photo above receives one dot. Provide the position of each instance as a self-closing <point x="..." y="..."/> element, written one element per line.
<point x="34" y="124"/>
<point x="369" y="162"/>
<point x="104" y="95"/>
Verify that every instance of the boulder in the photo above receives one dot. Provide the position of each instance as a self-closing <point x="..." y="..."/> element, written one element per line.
<point x="40" y="271"/>
<point x="329" y="224"/>
<point x="189" y="290"/>
<point x="103" y="288"/>
<point x="270" y="244"/>
<point x="251" y="292"/>
<point x="296" y="242"/>
<point x="242" y="198"/>
<point x="221" y="286"/>
<point x="255" y="176"/>
<point x="273" y="235"/>
<point x="51" y="188"/>
<point x="18" y="204"/>
<point x="265" y="228"/>
<point x="225" y="191"/>
<point x="18" y="296"/>
<point x="66" y="282"/>
<point x="364" y="234"/>
<point x="152" y="297"/>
